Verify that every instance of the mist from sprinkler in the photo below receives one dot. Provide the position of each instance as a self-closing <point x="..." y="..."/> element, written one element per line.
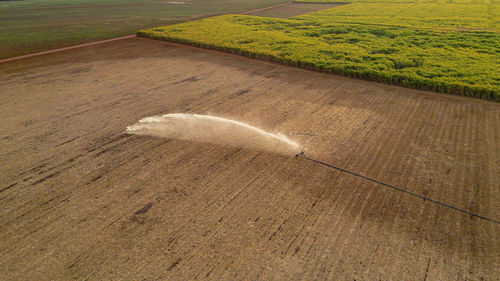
<point x="213" y="129"/>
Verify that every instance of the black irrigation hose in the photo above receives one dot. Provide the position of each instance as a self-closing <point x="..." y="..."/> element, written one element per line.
<point x="302" y="154"/>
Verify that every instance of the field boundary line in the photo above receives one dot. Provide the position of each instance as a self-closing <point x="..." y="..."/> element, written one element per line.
<point x="67" y="48"/>
<point x="398" y="188"/>
<point x="337" y="76"/>
<point x="111" y="39"/>
<point x="267" y="8"/>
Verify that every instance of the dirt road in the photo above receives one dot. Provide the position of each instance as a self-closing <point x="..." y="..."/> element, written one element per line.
<point x="82" y="200"/>
<point x="289" y="10"/>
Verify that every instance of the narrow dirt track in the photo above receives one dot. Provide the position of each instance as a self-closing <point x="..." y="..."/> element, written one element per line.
<point x="291" y="9"/>
<point x="66" y="48"/>
<point x="82" y="200"/>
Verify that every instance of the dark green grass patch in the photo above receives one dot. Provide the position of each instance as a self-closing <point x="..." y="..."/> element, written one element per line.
<point x="36" y="25"/>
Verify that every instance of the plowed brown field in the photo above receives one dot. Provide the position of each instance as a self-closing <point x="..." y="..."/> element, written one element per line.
<point x="82" y="200"/>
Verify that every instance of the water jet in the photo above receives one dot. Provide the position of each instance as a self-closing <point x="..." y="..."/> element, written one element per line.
<point x="213" y="129"/>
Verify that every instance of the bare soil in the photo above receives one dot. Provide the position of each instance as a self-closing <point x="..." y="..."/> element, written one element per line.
<point x="83" y="200"/>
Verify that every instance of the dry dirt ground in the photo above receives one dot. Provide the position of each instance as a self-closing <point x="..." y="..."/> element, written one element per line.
<point x="82" y="200"/>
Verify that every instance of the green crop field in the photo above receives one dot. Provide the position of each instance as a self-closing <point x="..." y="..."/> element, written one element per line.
<point x="448" y="48"/>
<point x="402" y="1"/>
<point x="437" y="16"/>
<point x="28" y="26"/>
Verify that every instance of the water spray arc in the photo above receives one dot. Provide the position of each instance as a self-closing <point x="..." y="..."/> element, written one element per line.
<point x="213" y="129"/>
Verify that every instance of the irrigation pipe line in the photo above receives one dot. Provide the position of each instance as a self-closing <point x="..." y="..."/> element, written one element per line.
<point x="303" y="155"/>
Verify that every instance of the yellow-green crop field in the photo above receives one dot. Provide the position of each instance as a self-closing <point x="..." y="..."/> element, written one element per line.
<point x="402" y="1"/>
<point x="448" y="48"/>
<point x="437" y="16"/>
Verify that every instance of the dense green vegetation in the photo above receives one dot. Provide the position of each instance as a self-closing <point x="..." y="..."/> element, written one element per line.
<point x="397" y="48"/>
<point x="35" y="25"/>
<point x="438" y="16"/>
<point x="402" y="1"/>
